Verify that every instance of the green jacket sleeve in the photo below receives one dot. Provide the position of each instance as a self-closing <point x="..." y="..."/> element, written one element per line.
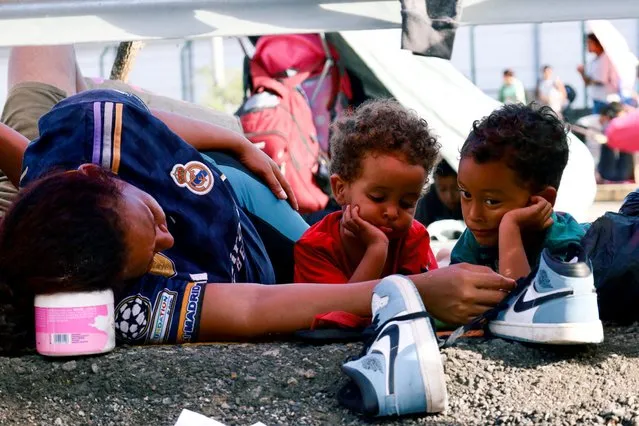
<point x="464" y="251"/>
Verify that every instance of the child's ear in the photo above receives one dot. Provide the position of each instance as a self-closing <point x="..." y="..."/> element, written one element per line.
<point x="338" y="186"/>
<point x="549" y="194"/>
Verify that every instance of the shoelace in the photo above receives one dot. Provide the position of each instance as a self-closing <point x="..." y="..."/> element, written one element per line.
<point x="481" y="322"/>
<point x="369" y="335"/>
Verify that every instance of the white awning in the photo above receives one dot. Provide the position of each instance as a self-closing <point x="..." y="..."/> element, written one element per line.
<point x="24" y="22"/>
<point x="482" y="12"/>
<point x="80" y="21"/>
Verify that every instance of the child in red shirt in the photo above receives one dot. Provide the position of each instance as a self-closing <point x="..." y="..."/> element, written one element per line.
<point x="381" y="156"/>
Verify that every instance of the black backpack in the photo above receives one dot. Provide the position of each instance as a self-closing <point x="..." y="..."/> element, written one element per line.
<point x="612" y="243"/>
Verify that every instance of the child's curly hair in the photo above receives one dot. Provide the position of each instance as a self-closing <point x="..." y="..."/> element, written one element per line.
<point x="531" y="140"/>
<point x="380" y="127"/>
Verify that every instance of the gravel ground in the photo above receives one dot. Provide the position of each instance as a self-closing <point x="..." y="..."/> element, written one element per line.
<point x="489" y="382"/>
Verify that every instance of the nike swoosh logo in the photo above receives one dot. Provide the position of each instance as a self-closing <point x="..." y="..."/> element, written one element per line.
<point x="521" y="305"/>
<point x="392" y="331"/>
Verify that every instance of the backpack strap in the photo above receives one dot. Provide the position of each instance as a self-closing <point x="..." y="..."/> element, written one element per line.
<point x="330" y="65"/>
<point x="337" y="72"/>
<point x="261" y="79"/>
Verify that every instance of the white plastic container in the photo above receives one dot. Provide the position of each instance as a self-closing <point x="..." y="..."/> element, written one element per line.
<point x="72" y="324"/>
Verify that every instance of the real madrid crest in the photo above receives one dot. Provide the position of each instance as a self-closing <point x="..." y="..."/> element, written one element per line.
<point x="194" y="175"/>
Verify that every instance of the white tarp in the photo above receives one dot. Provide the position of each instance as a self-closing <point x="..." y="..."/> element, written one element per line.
<point x="25" y="22"/>
<point x="450" y="103"/>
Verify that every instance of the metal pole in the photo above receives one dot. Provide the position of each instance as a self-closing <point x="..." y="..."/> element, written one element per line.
<point x="583" y="58"/>
<point x="191" y="73"/>
<point x="186" y="68"/>
<point x="217" y="56"/>
<point x="105" y="51"/>
<point x="537" y="53"/>
<point x="473" y="65"/>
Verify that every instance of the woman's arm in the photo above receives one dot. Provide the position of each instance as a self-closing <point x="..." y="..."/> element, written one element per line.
<point x="232" y="311"/>
<point x="455" y="295"/>
<point x="205" y="136"/>
<point x="201" y="135"/>
<point x="12" y="148"/>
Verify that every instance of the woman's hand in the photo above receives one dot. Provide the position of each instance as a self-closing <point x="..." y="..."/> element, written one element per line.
<point x="458" y="293"/>
<point x="265" y="168"/>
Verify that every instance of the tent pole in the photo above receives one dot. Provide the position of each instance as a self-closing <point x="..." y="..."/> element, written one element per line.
<point x="583" y="58"/>
<point x="186" y="67"/>
<point x="473" y="64"/>
<point x="217" y="61"/>
<point x="537" y="53"/>
<point x="103" y="54"/>
<point x="247" y="47"/>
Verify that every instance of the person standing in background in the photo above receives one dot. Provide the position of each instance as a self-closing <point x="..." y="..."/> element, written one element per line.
<point x="551" y="91"/>
<point x="512" y="90"/>
<point x="614" y="166"/>
<point x="599" y="75"/>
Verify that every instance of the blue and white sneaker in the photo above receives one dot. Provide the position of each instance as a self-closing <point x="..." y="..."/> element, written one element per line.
<point x="400" y="372"/>
<point x="555" y="305"/>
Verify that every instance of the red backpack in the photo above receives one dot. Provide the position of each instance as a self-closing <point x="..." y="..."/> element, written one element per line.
<point x="327" y="86"/>
<point x="278" y="119"/>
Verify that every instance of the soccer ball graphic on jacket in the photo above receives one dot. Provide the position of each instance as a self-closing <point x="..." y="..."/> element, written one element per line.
<point x="132" y="318"/>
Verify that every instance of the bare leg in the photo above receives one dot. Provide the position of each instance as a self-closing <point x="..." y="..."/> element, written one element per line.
<point x="28" y="99"/>
<point x="54" y="65"/>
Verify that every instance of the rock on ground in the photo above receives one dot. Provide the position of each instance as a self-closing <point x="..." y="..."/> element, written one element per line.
<point x="489" y="382"/>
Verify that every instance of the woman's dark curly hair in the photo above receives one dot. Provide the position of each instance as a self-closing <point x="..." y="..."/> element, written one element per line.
<point x="531" y="140"/>
<point x="63" y="233"/>
<point x="380" y="127"/>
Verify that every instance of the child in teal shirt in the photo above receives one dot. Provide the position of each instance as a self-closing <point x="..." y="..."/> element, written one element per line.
<point x="510" y="169"/>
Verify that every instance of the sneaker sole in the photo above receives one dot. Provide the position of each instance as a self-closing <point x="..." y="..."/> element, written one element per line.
<point x="430" y="361"/>
<point x="551" y="334"/>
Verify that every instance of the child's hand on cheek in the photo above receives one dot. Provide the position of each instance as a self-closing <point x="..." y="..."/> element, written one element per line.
<point x="361" y="229"/>
<point x="536" y="216"/>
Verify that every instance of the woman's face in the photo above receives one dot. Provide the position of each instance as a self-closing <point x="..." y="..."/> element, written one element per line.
<point x="146" y="230"/>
